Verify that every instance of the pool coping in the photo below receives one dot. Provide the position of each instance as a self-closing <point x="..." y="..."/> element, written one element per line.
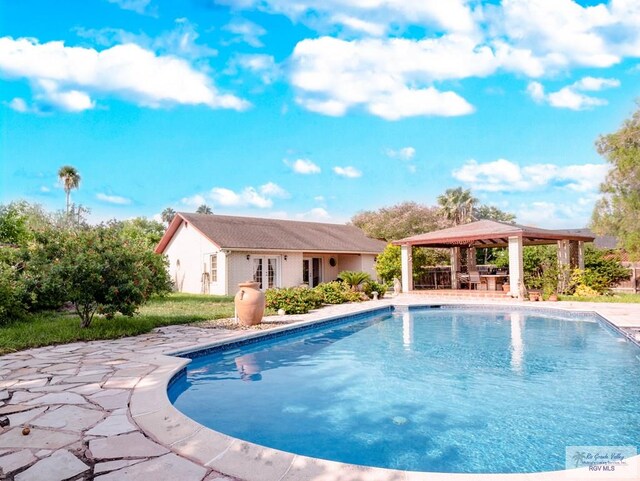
<point x="152" y="410"/>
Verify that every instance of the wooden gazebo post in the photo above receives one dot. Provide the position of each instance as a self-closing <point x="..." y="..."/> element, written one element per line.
<point x="455" y="267"/>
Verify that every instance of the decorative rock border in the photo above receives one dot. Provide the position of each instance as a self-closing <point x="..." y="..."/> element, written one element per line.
<point x="100" y="410"/>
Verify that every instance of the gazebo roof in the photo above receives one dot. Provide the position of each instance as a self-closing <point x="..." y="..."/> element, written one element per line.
<point x="490" y="233"/>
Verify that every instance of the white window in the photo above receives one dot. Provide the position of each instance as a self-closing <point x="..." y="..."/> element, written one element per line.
<point x="213" y="267"/>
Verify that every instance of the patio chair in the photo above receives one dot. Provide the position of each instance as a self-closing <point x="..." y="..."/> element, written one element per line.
<point x="474" y="279"/>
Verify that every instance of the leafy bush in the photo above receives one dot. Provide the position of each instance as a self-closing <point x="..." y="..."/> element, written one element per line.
<point x="336" y="292"/>
<point x="372" y="286"/>
<point x="354" y="280"/>
<point x="585" y="291"/>
<point x="102" y="272"/>
<point x="606" y="266"/>
<point x="12" y="289"/>
<point x="45" y="289"/>
<point x="294" y="300"/>
<point x="388" y="262"/>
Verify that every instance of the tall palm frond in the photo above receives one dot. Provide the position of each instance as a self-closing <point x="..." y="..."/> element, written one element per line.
<point x="70" y="179"/>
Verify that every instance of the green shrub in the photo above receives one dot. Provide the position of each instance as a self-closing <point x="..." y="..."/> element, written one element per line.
<point x="585" y="291"/>
<point x="606" y="269"/>
<point x="294" y="300"/>
<point x="102" y="272"/>
<point x="13" y="292"/>
<point x="596" y="280"/>
<point x="336" y="292"/>
<point x="354" y="280"/>
<point x="372" y="286"/>
<point x="388" y="262"/>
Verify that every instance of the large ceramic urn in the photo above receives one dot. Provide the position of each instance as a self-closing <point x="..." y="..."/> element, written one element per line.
<point x="249" y="302"/>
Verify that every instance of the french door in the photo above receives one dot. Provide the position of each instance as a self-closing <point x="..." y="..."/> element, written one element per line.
<point x="266" y="272"/>
<point x="312" y="271"/>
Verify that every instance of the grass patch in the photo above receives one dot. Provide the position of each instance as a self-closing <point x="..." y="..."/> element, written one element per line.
<point x="614" y="298"/>
<point x="47" y="328"/>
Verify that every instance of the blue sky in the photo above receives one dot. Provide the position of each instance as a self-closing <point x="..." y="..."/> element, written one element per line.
<point x="313" y="109"/>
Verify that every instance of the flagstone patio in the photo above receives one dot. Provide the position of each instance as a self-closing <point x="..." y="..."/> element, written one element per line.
<point x="76" y="400"/>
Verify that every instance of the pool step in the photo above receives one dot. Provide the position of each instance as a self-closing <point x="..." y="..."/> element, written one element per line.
<point x="463" y="294"/>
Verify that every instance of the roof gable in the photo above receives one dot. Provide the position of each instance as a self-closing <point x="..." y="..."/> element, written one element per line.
<point x="235" y="233"/>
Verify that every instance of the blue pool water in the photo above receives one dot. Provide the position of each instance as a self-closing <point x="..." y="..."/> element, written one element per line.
<point x="448" y="390"/>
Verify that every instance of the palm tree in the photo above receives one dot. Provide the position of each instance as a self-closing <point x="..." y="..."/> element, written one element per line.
<point x="204" y="209"/>
<point x="457" y="205"/>
<point x="354" y="279"/>
<point x="70" y="179"/>
<point x="167" y="215"/>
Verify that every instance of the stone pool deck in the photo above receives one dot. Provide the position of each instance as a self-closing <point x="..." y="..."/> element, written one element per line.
<point x="99" y="410"/>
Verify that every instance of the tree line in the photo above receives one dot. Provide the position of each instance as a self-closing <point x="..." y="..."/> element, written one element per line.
<point x="455" y="206"/>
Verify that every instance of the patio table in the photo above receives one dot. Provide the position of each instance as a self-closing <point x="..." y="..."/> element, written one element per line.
<point x="492" y="280"/>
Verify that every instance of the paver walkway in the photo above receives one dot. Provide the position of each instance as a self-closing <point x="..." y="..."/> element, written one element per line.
<point x="74" y="398"/>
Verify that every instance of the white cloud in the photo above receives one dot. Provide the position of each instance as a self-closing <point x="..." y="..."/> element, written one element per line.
<point x="555" y="33"/>
<point x="304" y="166"/>
<point x="262" y="65"/>
<point x="246" y="31"/>
<point x="323" y="15"/>
<point x="113" y="199"/>
<point x="138" y="6"/>
<point x="390" y="78"/>
<point x="19" y="105"/>
<point x="317" y="213"/>
<point x="536" y="91"/>
<point x="271" y="189"/>
<point x="68" y="77"/>
<point x="556" y="215"/>
<point x="249" y="196"/>
<point x="194" y="201"/>
<point x="181" y="41"/>
<point x="350" y="172"/>
<point x="505" y="176"/>
<point x="70" y="101"/>
<point x="570" y="97"/>
<point x="596" y="83"/>
<point x="404" y="153"/>
<point x="359" y="25"/>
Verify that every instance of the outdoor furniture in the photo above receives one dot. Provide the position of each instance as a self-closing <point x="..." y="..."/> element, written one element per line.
<point x="474" y="279"/>
<point x="471" y="279"/>
<point x="491" y="280"/>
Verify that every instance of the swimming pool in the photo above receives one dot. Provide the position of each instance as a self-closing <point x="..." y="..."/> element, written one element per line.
<point x="448" y="390"/>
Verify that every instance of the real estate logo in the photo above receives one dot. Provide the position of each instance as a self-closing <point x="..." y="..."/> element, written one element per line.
<point x="602" y="461"/>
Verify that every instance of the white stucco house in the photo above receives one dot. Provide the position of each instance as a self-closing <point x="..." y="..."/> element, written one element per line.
<point x="213" y="253"/>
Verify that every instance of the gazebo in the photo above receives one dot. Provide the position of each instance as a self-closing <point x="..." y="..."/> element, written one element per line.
<point x="489" y="233"/>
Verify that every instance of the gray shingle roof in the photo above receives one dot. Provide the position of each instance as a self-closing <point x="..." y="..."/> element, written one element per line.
<point x="600" y="241"/>
<point x="230" y="232"/>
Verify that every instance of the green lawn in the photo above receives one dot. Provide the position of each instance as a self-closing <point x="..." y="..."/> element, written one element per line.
<point x="630" y="298"/>
<point x="48" y="328"/>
